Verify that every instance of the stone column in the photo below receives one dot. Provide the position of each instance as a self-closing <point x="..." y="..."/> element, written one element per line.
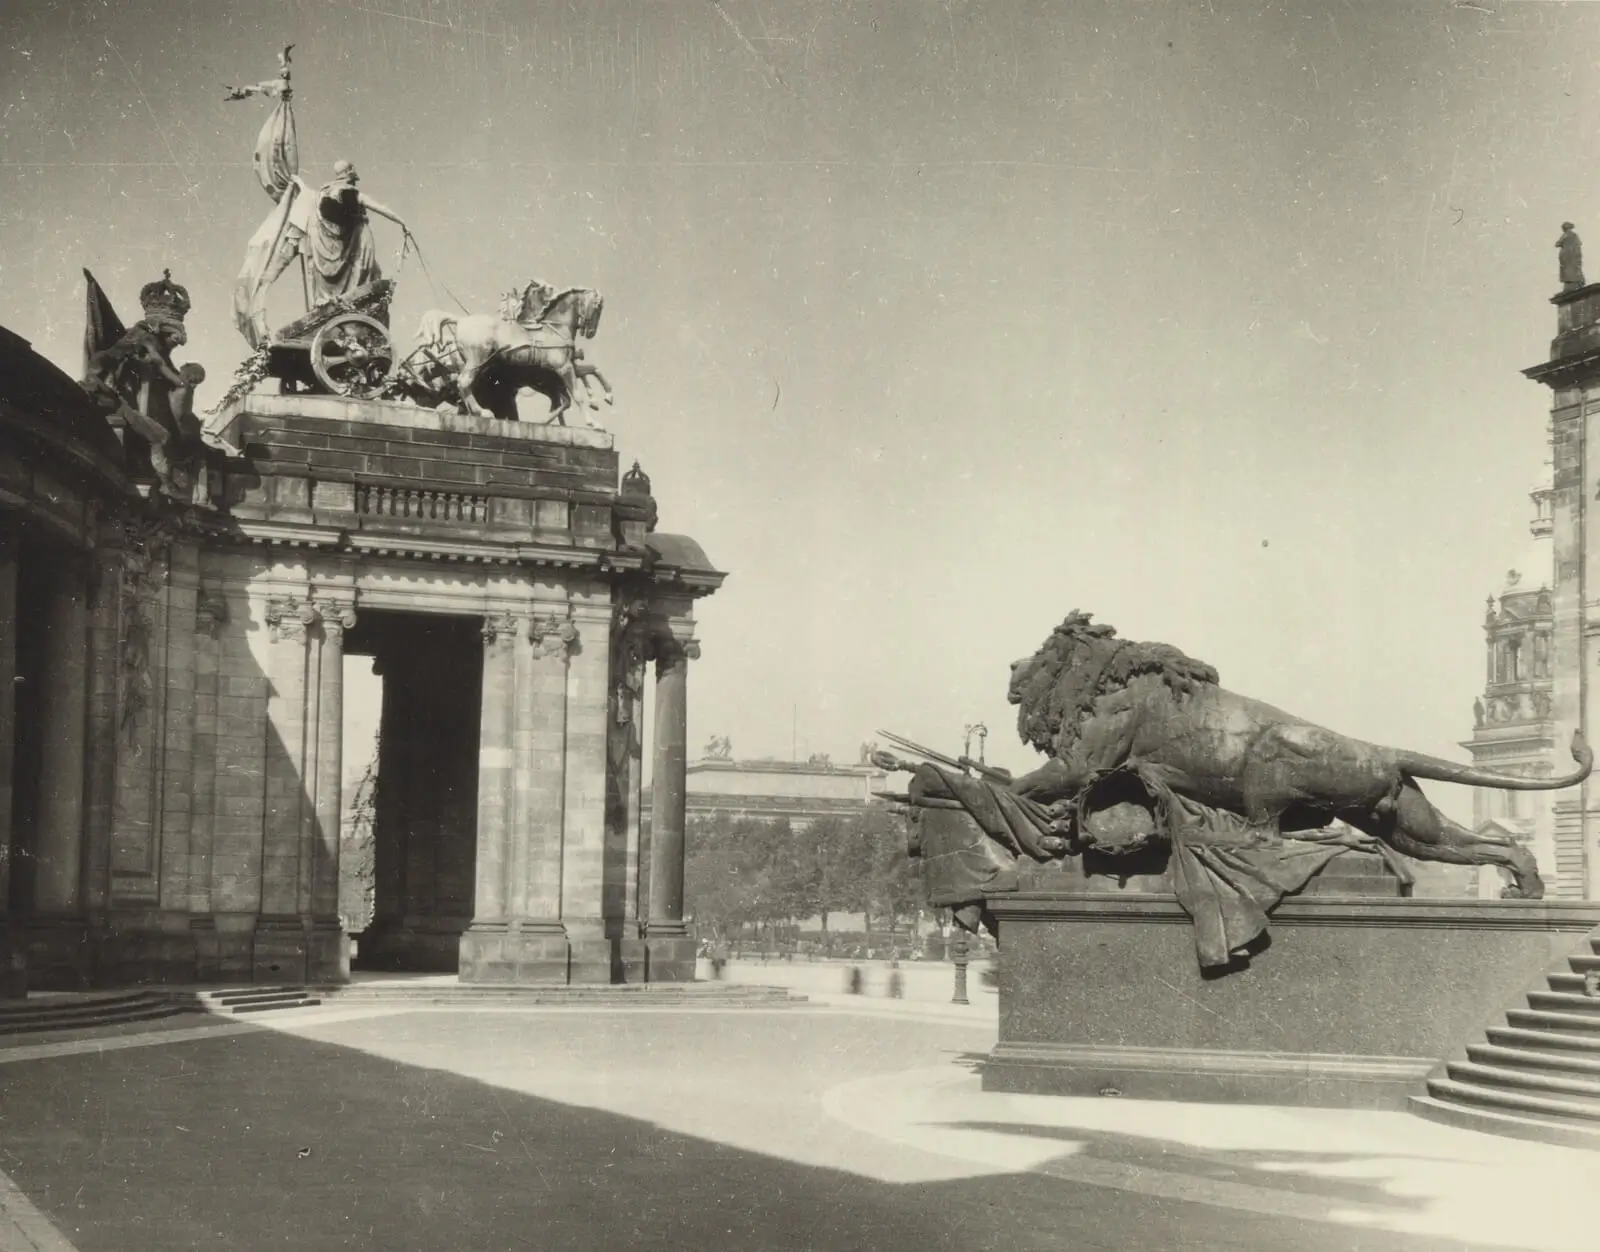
<point x="281" y="929"/>
<point x="671" y="951"/>
<point x="487" y="950"/>
<point x="329" y="957"/>
<point x="63" y="709"/>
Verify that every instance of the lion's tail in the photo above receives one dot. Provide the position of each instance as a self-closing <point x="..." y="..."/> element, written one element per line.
<point x="1435" y="769"/>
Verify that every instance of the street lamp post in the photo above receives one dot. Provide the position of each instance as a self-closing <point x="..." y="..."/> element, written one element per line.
<point x="960" y="953"/>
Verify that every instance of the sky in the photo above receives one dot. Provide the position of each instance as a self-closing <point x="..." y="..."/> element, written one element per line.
<point x="929" y="321"/>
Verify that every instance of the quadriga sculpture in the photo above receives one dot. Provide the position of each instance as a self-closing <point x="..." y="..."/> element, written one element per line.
<point x="1107" y="710"/>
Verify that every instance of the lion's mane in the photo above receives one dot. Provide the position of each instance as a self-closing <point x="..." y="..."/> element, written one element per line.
<point x="1080" y="662"/>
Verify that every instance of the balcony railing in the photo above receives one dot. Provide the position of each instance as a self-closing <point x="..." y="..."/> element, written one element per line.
<point x="410" y="504"/>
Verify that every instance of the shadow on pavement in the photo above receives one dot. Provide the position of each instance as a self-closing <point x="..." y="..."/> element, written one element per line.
<point x="268" y="1140"/>
<point x="1325" y="1175"/>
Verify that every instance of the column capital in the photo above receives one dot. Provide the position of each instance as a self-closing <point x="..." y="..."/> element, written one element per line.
<point x="553" y="635"/>
<point x="500" y="625"/>
<point x="670" y="650"/>
<point x="338" y="616"/>
<point x="288" y="618"/>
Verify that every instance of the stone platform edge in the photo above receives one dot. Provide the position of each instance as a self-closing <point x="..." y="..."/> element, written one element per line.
<point x="1562" y="916"/>
<point x="1304" y="1079"/>
<point x="397" y="414"/>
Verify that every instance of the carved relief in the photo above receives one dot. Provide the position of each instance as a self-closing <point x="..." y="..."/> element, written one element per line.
<point x="210" y="612"/>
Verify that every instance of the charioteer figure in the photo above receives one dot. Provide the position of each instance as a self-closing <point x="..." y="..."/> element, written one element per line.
<point x="339" y="242"/>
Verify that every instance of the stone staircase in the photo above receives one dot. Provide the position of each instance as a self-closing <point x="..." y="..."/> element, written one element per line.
<point x="253" y="999"/>
<point x="80" y="1012"/>
<point x="1536" y="1077"/>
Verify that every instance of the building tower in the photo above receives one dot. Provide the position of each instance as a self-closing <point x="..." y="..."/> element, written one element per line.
<point x="1573" y="375"/>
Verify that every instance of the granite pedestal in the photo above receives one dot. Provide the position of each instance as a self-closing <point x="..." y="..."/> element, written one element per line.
<point x="1350" y="1003"/>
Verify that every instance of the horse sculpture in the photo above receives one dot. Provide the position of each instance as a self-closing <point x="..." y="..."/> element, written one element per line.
<point x="540" y="352"/>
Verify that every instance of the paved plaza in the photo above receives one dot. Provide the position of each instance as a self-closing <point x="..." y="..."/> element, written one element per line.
<point x="828" y="1125"/>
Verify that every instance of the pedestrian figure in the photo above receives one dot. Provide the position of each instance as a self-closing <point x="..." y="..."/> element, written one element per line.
<point x="897" y="985"/>
<point x="853" y="980"/>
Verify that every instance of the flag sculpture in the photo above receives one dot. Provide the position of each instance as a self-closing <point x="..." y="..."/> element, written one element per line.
<point x="277" y="241"/>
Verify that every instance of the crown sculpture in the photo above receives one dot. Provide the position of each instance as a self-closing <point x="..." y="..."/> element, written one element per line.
<point x="129" y="373"/>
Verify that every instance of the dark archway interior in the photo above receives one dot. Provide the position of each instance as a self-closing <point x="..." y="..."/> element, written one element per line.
<point x="426" y="803"/>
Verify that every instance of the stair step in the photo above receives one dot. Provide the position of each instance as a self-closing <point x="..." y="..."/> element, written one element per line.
<point x="64" y="1004"/>
<point x="1564" y="1002"/>
<point x="223" y="993"/>
<point x="1579" y="1089"/>
<point x="1518" y="1102"/>
<point x="1566" y="982"/>
<point x="1543" y="1019"/>
<point x="1511" y="1125"/>
<point x="1535" y="1059"/>
<point x="1544" y="1040"/>
<point x="1582" y="962"/>
<point x="137" y="1013"/>
<point x="302" y="1003"/>
<point x="270" y="997"/>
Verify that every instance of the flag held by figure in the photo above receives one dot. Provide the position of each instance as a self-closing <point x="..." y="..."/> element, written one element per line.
<point x="276" y="241"/>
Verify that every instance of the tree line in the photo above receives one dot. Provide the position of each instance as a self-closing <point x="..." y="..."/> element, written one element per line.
<point x="745" y="871"/>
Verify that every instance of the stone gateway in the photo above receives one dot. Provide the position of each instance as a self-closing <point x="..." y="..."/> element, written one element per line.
<point x="172" y="682"/>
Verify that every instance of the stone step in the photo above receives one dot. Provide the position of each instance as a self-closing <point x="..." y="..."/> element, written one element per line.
<point x="26" y="1010"/>
<point x="300" y="1002"/>
<point x="1576" y="1088"/>
<point x="1564" y="1002"/>
<point x="1582" y="964"/>
<point x="150" y="1010"/>
<point x="1510" y="1125"/>
<point x="1572" y="983"/>
<point x="1542" y="1019"/>
<point x="1535" y="1059"/>
<point x="557" y="997"/>
<point x="267" y="989"/>
<point x="1517" y="1102"/>
<point x="241" y="999"/>
<point x="1518" y="1037"/>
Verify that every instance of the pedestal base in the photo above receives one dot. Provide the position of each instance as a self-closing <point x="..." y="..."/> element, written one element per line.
<point x="670" y="959"/>
<point x="512" y="953"/>
<point x="56" y="952"/>
<point x="1350" y="1004"/>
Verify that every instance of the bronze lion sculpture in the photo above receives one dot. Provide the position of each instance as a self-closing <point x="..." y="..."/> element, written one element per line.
<point x="1100" y="706"/>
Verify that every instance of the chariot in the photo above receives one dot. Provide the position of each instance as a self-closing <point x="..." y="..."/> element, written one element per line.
<point x="343" y="347"/>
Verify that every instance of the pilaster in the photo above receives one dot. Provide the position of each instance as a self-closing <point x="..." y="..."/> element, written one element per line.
<point x="282" y="930"/>
<point x="486" y="953"/>
<point x="58" y="883"/>
<point x="13" y="973"/>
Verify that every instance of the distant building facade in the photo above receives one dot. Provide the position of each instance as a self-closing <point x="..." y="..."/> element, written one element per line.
<point x="1541" y="629"/>
<point x="801" y="791"/>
